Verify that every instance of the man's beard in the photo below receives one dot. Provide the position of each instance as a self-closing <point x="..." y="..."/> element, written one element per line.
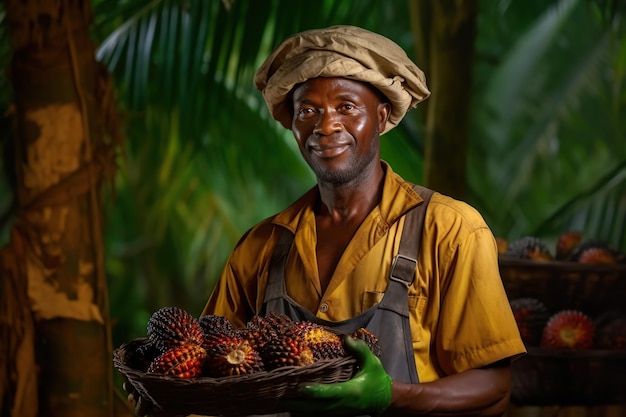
<point x="349" y="174"/>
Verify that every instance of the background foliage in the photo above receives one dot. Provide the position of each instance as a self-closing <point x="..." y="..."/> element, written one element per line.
<point x="203" y="161"/>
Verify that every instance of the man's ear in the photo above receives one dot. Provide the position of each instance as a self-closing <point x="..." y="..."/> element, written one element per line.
<point x="384" y="110"/>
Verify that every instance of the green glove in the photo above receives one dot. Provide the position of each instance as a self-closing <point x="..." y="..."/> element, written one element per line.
<point x="368" y="392"/>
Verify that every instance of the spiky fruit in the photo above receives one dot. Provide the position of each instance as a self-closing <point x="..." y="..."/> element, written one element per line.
<point x="260" y="329"/>
<point x="531" y="316"/>
<point x="566" y="244"/>
<point x="588" y="244"/>
<point x="180" y="361"/>
<point x="323" y="343"/>
<point x="171" y="326"/>
<point x="286" y="349"/>
<point x="215" y="327"/>
<point x="141" y="358"/>
<point x="529" y="247"/>
<point x="231" y="355"/>
<point x="568" y="329"/>
<point x="597" y="256"/>
<point x="611" y="331"/>
<point x="369" y="338"/>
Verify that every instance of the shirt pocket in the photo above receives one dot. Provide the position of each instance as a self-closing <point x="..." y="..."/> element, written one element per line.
<point x="371" y="298"/>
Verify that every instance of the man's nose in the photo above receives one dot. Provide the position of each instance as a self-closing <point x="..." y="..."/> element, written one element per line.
<point x="327" y="123"/>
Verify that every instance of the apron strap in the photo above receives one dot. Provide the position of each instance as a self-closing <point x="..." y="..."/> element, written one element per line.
<point x="405" y="262"/>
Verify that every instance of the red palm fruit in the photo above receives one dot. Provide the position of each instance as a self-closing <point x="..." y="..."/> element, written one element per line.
<point x="180" y="361"/>
<point x="260" y="329"/>
<point x="214" y="326"/>
<point x="142" y="357"/>
<point x="597" y="256"/>
<point x="232" y="355"/>
<point x="285" y="347"/>
<point x="171" y="326"/>
<point x="531" y="316"/>
<point x="323" y="343"/>
<point x="568" y="329"/>
<point x="369" y="338"/>
<point x="566" y="244"/>
<point x="529" y="247"/>
<point x="611" y="330"/>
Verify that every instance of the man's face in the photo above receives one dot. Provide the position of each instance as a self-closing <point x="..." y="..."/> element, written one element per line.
<point x="336" y="123"/>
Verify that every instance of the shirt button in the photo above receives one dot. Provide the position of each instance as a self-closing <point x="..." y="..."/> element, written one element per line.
<point x="323" y="307"/>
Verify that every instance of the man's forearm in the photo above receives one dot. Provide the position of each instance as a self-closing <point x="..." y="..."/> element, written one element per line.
<point x="477" y="392"/>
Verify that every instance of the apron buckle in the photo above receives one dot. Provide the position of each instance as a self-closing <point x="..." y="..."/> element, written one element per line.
<point x="403" y="269"/>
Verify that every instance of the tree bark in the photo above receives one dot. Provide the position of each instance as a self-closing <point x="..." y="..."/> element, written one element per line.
<point x="56" y="329"/>
<point x="445" y="31"/>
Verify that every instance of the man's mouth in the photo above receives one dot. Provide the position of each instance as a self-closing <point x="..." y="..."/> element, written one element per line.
<point x="328" y="151"/>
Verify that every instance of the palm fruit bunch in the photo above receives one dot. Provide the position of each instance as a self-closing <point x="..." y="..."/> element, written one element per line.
<point x="178" y="338"/>
<point x="611" y="330"/>
<point x="172" y="326"/>
<point x="181" y="361"/>
<point x="286" y="347"/>
<point x="594" y="252"/>
<point x="566" y="244"/>
<point x="182" y="346"/>
<point x="529" y="247"/>
<point x="369" y="338"/>
<point x="323" y="343"/>
<point x="231" y="355"/>
<point x="215" y="327"/>
<point x="570" y="247"/>
<point x="141" y="358"/>
<point x="261" y="329"/>
<point x="229" y="351"/>
<point x="568" y="329"/>
<point x="531" y="316"/>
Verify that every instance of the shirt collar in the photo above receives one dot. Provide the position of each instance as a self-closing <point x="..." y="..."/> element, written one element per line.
<point x="398" y="198"/>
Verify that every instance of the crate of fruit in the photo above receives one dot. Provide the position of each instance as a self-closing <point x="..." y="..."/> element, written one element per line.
<point x="569" y="308"/>
<point x="187" y="365"/>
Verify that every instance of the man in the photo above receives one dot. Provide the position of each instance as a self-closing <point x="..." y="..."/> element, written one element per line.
<point x="446" y="330"/>
<point x="338" y="89"/>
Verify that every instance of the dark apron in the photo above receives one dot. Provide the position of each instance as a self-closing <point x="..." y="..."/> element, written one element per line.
<point x="388" y="320"/>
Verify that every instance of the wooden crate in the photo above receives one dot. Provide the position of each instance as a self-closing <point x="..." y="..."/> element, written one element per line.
<point x="569" y="378"/>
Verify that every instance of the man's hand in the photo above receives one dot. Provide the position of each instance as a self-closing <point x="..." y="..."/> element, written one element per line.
<point x="143" y="407"/>
<point x="368" y="392"/>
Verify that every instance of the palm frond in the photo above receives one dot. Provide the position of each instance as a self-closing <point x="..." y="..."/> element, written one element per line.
<point x="541" y="120"/>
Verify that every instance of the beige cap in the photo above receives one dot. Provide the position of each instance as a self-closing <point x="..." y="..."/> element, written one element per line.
<point x="341" y="51"/>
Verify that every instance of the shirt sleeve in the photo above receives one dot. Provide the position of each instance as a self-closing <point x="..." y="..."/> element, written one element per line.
<point x="244" y="276"/>
<point x="226" y="298"/>
<point x="476" y="326"/>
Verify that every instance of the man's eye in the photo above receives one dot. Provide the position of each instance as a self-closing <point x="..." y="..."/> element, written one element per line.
<point x="347" y="107"/>
<point x="306" y="110"/>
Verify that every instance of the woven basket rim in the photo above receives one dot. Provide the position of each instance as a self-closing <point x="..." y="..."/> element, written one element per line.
<point x="254" y="394"/>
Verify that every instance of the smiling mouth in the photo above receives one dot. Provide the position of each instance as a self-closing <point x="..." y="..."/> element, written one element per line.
<point x="329" y="151"/>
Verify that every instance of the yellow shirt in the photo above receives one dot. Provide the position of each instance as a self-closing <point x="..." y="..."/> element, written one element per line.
<point x="460" y="315"/>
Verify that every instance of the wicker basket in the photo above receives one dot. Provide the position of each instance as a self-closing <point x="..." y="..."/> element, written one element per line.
<point x="583" y="378"/>
<point x="259" y="393"/>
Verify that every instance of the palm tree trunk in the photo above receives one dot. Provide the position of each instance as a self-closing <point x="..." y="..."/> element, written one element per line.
<point x="56" y="327"/>
<point x="444" y="39"/>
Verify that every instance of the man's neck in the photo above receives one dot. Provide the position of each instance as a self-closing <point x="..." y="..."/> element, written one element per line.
<point x="348" y="201"/>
